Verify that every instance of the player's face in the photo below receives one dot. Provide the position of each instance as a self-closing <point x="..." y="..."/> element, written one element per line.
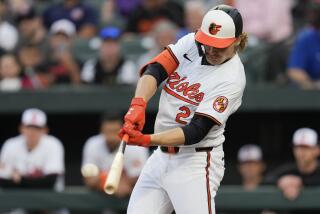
<point x="32" y="135"/>
<point x="251" y="169"/>
<point x="217" y="56"/>
<point x="110" y="130"/>
<point x="305" y="155"/>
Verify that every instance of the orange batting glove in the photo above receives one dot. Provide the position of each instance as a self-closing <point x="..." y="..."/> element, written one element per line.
<point x="136" y="137"/>
<point x="136" y="113"/>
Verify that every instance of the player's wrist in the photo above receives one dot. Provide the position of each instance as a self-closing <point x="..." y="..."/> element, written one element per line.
<point x="147" y="140"/>
<point x="138" y="101"/>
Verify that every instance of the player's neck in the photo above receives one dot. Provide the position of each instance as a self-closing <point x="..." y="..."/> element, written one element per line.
<point x="31" y="145"/>
<point x="252" y="183"/>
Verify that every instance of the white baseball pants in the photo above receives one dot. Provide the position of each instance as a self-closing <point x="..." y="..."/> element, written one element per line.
<point x="186" y="182"/>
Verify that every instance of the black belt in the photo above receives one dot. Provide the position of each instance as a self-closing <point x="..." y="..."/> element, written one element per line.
<point x="175" y="149"/>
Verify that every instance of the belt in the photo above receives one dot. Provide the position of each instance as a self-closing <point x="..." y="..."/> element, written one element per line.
<point x="175" y="149"/>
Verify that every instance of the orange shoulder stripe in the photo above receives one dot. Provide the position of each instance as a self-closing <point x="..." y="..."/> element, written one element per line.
<point x="167" y="59"/>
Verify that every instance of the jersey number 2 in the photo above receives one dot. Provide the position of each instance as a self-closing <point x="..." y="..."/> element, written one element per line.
<point x="184" y="114"/>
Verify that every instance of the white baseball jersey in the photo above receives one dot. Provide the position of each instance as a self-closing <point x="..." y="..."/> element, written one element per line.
<point x="46" y="158"/>
<point x="213" y="91"/>
<point x="96" y="152"/>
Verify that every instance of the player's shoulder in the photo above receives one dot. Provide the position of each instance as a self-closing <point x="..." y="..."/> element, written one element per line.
<point x="188" y="38"/>
<point x="52" y="141"/>
<point x="186" y="42"/>
<point x="13" y="142"/>
<point x="232" y="73"/>
<point x="95" y="141"/>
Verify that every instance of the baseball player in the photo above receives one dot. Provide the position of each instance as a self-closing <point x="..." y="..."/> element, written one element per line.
<point x="33" y="159"/>
<point x="205" y="81"/>
<point x="99" y="152"/>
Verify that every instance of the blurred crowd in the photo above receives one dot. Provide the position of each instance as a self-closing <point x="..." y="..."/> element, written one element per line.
<point x="44" y="43"/>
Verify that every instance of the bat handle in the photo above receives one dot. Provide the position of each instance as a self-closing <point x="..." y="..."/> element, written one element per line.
<point x="123" y="143"/>
<point x="125" y="138"/>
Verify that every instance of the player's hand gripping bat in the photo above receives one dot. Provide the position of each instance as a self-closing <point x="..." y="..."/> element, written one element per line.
<point x="114" y="174"/>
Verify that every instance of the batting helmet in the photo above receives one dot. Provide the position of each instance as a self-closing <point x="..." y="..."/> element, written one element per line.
<point x="220" y="27"/>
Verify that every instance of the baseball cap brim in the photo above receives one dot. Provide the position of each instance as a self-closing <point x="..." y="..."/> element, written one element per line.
<point x="213" y="41"/>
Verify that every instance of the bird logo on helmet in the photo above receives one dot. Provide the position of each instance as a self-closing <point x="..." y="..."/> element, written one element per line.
<point x="214" y="28"/>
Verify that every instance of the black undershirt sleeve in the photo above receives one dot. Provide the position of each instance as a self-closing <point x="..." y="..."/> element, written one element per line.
<point x="197" y="129"/>
<point x="157" y="71"/>
<point x="47" y="181"/>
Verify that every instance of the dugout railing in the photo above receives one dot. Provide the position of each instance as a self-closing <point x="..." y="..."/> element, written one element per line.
<point x="228" y="197"/>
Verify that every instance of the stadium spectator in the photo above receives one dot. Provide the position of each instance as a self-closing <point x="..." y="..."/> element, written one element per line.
<point x="291" y="178"/>
<point x="269" y="38"/>
<point x="117" y="11"/>
<point x="99" y="152"/>
<point x="304" y="62"/>
<point x="149" y="12"/>
<point x="251" y="166"/>
<point x="84" y="17"/>
<point x="110" y="68"/>
<point x="34" y="73"/>
<point x="17" y="7"/>
<point x="8" y="36"/>
<point x="33" y="159"/>
<point x="31" y="30"/>
<point x="60" y="62"/>
<point x="194" y="11"/>
<point x="126" y="7"/>
<point x="163" y="34"/>
<point x="9" y="73"/>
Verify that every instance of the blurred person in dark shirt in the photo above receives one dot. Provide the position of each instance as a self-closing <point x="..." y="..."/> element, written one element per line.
<point x="31" y="29"/>
<point x="34" y="72"/>
<point x="116" y="12"/>
<point x="269" y="41"/>
<point x="60" y="62"/>
<point x="194" y="11"/>
<point x="111" y="67"/>
<point x="163" y="34"/>
<point x="304" y="61"/>
<point x="84" y="17"/>
<point x="305" y="172"/>
<point x="149" y="12"/>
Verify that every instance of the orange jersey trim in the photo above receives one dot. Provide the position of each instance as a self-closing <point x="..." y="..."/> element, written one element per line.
<point x="167" y="59"/>
<point x="210" y="117"/>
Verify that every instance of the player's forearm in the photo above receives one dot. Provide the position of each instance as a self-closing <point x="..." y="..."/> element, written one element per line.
<point x="146" y="87"/>
<point x="172" y="137"/>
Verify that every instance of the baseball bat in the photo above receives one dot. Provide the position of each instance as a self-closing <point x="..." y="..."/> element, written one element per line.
<point x="114" y="174"/>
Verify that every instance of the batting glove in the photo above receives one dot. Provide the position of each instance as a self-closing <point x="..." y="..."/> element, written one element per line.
<point x="126" y="126"/>
<point x="136" y="113"/>
<point x="136" y="137"/>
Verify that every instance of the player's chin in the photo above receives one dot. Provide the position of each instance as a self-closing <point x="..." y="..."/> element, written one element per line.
<point x="214" y="60"/>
